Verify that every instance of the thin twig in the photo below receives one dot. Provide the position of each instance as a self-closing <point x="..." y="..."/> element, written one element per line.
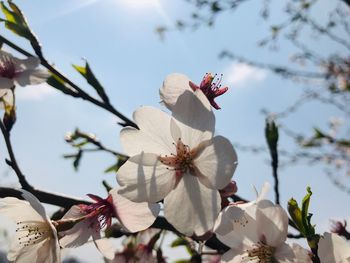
<point x="77" y="91"/>
<point x="13" y="162"/>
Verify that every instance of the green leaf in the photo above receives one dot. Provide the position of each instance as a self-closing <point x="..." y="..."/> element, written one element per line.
<point x="179" y="242"/>
<point x="115" y="167"/>
<point x="183" y="242"/>
<point x="16" y="22"/>
<point x="77" y="160"/>
<point x="296" y="215"/>
<point x="182" y="261"/>
<point x="305" y="208"/>
<point x="87" y="73"/>
<point x="106" y="186"/>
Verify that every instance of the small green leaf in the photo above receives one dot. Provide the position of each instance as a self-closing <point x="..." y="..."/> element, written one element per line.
<point x="305" y="208"/>
<point x="77" y="160"/>
<point x="87" y="73"/>
<point x="296" y="214"/>
<point x="17" y="23"/>
<point x="179" y="242"/>
<point x="183" y="242"/>
<point x="115" y="167"/>
<point x="106" y="186"/>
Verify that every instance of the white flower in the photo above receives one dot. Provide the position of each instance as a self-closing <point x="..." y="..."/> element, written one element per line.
<point x="178" y="159"/>
<point x="333" y="249"/>
<point x="36" y="237"/>
<point x="224" y="222"/>
<point x="259" y="232"/>
<point x="140" y="249"/>
<point x="176" y="84"/>
<point x="134" y="217"/>
<point x="23" y="72"/>
<point x="301" y="254"/>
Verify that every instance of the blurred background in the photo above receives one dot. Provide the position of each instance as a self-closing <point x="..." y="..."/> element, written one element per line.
<point x="284" y="59"/>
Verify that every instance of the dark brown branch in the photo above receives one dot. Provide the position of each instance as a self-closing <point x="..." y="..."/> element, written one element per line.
<point x="44" y="197"/>
<point x="13" y="162"/>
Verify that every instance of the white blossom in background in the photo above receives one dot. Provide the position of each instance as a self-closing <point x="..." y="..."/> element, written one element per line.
<point x="176" y="84"/>
<point x="133" y="216"/>
<point x="15" y="71"/>
<point x="140" y="249"/>
<point x="258" y="234"/>
<point x="332" y="248"/>
<point x="178" y="159"/>
<point x="36" y="238"/>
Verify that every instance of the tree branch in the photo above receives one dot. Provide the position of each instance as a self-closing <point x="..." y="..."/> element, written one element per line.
<point x="77" y="92"/>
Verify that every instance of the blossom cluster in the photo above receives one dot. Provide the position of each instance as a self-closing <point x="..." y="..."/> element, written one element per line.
<point x="177" y="165"/>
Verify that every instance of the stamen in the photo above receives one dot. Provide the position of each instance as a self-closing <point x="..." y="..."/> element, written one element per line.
<point x="33" y="232"/>
<point x="262" y="252"/>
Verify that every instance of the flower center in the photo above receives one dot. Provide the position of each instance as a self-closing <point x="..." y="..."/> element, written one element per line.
<point x="211" y="87"/>
<point x="101" y="212"/>
<point x="32" y="232"/>
<point x="182" y="161"/>
<point x="7" y="68"/>
<point x="262" y="252"/>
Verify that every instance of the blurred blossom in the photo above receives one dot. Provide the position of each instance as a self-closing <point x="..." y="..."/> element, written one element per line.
<point x="14" y="71"/>
<point x="333" y="249"/>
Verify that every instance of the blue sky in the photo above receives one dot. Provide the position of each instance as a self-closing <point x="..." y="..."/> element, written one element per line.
<point x="118" y="39"/>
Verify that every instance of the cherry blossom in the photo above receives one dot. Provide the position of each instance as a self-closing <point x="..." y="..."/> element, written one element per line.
<point x="176" y="84"/>
<point x="36" y="237"/>
<point x="140" y="249"/>
<point x="332" y="248"/>
<point x="178" y="159"/>
<point x="258" y="234"/>
<point x="23" y="72"/>
<point x="134" y="217"/>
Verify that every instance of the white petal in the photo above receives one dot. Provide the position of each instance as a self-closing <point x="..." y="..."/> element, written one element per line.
<point x="191" y="207"/>
<point x="333" y="249"/>
<point x="217" y="162"/>
<point x="173" y="86"/>
<point x="28" y="63"/>
<point x="272" y="222"/>
<point x="285" y="254"/>
<point x="154" y="135"/>
<point x="74" y="212"/>
<point x="35" y="203"/>
<point x="301" y="254"/>
<point x="195" y="118"/>
<point x="19" y="210"/>
<point x="20" y="254"/>
<point x="175" y="130"/>
<point x="145" y="183"/>
<point x="104" y="245"/>
<point x="243" y="225"/>
<point x="134" y="216"/>
<point x="232" y="256"/>
<point x="78" y="235"/>
<point x="32" y="77"/>
<point x="6" y="83"/>
<point x="49" y="252"/>
<point x="263" y="193"/>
